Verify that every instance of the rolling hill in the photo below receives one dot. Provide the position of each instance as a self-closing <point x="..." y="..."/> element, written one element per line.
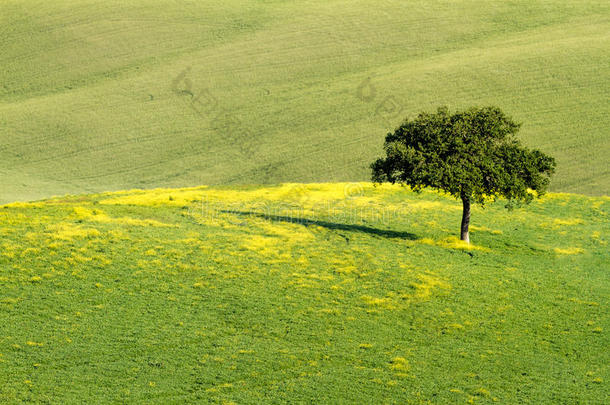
<point x="98" y="96"/>
<point x="302" y="293"/>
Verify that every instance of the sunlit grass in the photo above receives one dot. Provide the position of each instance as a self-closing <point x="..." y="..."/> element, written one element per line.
<point x="301" y="292"/>
<point x="279" y="91"/>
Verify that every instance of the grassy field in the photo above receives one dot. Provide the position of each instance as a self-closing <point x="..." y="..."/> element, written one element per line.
<point x="318" y="293"/>
<point x="98" y="96"/>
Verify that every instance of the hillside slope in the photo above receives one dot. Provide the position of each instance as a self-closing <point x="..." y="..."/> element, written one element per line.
<point x="318" y="293"/>
<point x="98" y="96"/>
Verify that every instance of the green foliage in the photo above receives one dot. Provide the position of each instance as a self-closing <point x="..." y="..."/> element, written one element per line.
<point x="471" y="154"/>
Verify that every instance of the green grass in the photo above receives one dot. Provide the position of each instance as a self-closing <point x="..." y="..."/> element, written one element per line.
<point x="86" y="98"/>
<point x="321" y="293"/>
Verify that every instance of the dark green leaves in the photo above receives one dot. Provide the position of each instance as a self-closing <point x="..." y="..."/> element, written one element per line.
<point x="472" y="152"/>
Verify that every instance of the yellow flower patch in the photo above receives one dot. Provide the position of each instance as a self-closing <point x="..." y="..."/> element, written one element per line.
<point x="399" y="364"/>
<point x="597" y="202"/>
<point x="569" y="251"/>
<point x="425" y="284"/>
<point x="572" y="221"/>
<point x="264" y="245"/>
<point x="305" y="194"/>
<point x="20" y="204"/>
<point x="422" y="290"/>
<point x="385" y="303"/>
<point x="291" y="233"/>
<point x="452" y="242"/>
<point x="156" y="197"/>
<point x="101" y="217"/>
<point x="69" y="232"/>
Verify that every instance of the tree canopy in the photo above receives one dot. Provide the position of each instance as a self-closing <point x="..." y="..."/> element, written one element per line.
<point x="471" y="154"/>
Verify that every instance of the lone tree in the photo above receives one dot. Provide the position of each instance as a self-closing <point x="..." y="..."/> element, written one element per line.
<point x="471" y="154"/>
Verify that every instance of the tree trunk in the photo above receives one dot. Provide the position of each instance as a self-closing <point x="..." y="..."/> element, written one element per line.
<point x="465" y="218"/>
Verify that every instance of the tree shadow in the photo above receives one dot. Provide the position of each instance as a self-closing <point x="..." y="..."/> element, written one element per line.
<point x="328" y="225"/>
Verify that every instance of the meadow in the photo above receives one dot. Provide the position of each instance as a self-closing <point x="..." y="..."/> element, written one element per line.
<point x="201" y="229"/>
<point x="98" y="96"/>
<point x="316" y="293"/>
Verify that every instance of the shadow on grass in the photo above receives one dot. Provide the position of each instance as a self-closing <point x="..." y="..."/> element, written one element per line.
<point x="329" y="225"/>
